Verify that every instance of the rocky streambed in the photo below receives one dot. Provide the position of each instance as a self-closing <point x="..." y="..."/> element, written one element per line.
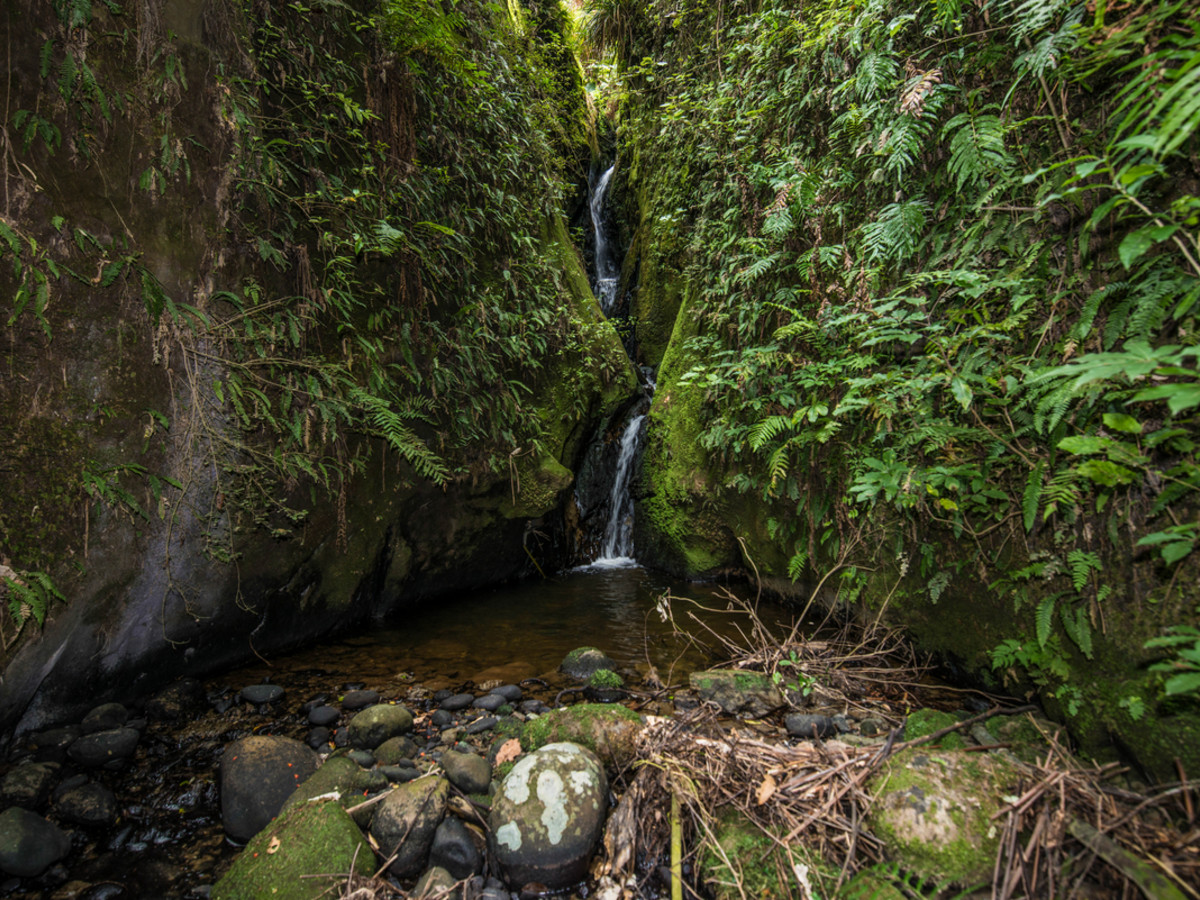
<point x="307" y="785"/>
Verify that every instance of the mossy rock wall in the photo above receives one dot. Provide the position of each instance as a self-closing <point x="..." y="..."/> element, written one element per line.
<point x="95" y="381"/>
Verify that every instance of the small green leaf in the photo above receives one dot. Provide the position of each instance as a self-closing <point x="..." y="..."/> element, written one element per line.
<point x="1123" y="423"/>
<point x="1184" y="683"/>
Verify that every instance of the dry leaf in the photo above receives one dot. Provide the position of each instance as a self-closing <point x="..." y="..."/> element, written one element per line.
<point x="273" y="846"/>
<point x="509" y="751"/>
<point x="765" y="790"/>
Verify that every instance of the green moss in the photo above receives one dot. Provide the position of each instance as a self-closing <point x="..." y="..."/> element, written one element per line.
<point x="312" y="840"/>
<point x="927" y="721"/>
<point x="752" y="859"/>
<point x="605" y="679"/>
<point x="607" y="729"/>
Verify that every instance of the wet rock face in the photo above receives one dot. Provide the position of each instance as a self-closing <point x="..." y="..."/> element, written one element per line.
<point x="258" y="774"/>
<point x="29" y="844"/>
<point x="548" y="816"/>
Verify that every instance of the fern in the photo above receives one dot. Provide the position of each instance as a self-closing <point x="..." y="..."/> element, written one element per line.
<point x="1161" y="106"/>
<point x="1078" y="628"/>
<point x="1082" y="563"/>
<point x="388" y="423"/>
<point x="29" y="594"/>
<point x="1044" y="619"/>
<point x="896" y="234"/>
<point x="977" y="151"/>
<point x="1032" y="494"/>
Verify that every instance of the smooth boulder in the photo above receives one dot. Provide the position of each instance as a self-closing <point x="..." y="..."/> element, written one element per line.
<point x="406" y="821"/>
<point x="102" y="748"/>
<point x="469" y="772"/>
<point x="258" y="774"/>
<point x="378" y="723"/>
<point x="548" y="816"/>
<point x="29" y="844"/>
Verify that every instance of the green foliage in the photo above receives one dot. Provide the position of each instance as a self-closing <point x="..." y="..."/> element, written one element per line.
<point x="29" y="595"/>
<point x="1184" y="667"/>
<point x="961" y="296"/>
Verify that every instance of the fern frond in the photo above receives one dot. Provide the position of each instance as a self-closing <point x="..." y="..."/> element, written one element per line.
<point x="977" y="151"/>
<point x="1044" y="619"/>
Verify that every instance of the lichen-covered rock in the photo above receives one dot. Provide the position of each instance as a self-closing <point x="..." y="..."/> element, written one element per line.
<point x="607" y="730"/>
<point x="933" y="813"/>
<point x="258" y="774"/>
<point x="548" y="816"/>
<point x="378" y="723"/>
<point x="582" y="662"/>
<point x="737" y="692"/>
<point x="411" y="814"/>
<point x="311" y="839"/>
<point x="29" y="844"/>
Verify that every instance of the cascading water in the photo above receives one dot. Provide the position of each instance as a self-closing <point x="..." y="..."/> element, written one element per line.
<point x="617" y="549"/>
<point x="607" y="270"/>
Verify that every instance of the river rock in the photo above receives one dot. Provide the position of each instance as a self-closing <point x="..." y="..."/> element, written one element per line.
<point x="29" y="844"/>
<point x="933" y="812"/>
<point x="510" y="692"/>
<point x="104" y="747"/>
<point x="376" y="724"/>
<point x="608" y="730"/>
<point x="808" y="726"/>
<point x="400" y="774"/>
<point x="87" y="804"/>
<point x="323" y="715"/>
<point x="391" y="751"/>
<point x="104" y="717"/>
<point x="313" y="839"/>
<point x="177" y="701"/>
<point x="51" y="745"/>
<point x="581" y="662"/>
<point x="346" y="781"/>
<point x="318" y="738"/>
<point x="258" y="774"/>
<point x="411" y="813"/>
<point x="489" y="702"/>
<point x="548" y="816"/>
<point x="455" y="702"/>
<point x="454" y="849"/>
<point x="480" y="725"/>
<point x="28" y="785"/>
<point x="436" y="882"/>
<point x="468" y="772"/>
<point x="353" y="700"/>
<point x="738" y="692"/>
<point x="259" y="694"/>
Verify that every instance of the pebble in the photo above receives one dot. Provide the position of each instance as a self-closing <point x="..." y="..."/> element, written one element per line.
<point x="105" y="717"/>
<point x="457" y="702"/>
<point x="808" y="726"/>
<point x="468" y="772"/>
<point x="399" y="774"/>
<point x="323" y="715"/>
<point x="51" y="745"/>
<point x="481" y="725"/>
<point x="364" y="758"/>
<point x="490" y="702"/>
<point x="258" y="694"/>
<point x="359" y="699"/>
<point x="104" y="747"/>
<point x="87" y="804"/>
<point x="443" y="718"/>
<point x="318" y="737"/>
<point x="510" y="692"/>
<point x="454" y="849"/>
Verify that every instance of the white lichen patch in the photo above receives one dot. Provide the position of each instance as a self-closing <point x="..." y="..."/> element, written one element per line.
<point x="554" y="801"/>
<point x="516" y="785"/>
<point x="582" y="782"/>
<point x="508" y="836"/>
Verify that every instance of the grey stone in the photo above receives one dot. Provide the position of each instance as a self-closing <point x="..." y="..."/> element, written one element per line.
<point x="393" y="750"/>
<point x="808" y="726"/>
<point x="103" y="747"/>
<point x="548" y="816"/>
<point x="454" y="849"/>
<point x="436" y="882"/>
<point x="457" y="702"/>
<point x="581" y="662"/>
<point x="258" y="694"/>
<point x="258" y="774"/>
<point x="51" y="745"/>
<point x="468" y="772"/>
<point x="442" y="718"/>
<point x="737" y="692"/>
<point x="411" y="814"/>
<point x="318" y="738"/>
<point x="29" y="844"/>
<point x="486" y="723"/>
<point x="510" y="692"/>
<point x="323" y="715"/>
<point x="28" y="785"/>
<point x="87" y="804"/>
<point x="364" y="758"/>
<point x="490" y="702"/>
<point x="104" y="717"/>
<point x="378" y="723"/>
<point x="400" y="774"/>
<point x="353" y="700"/>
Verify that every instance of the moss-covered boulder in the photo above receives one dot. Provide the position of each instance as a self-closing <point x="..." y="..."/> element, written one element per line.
<point x="608" y="730"/>
<point x="737" y="692"/>
<point x="583" y="662"/>
<point x="933" y="813"/>
<point x="340" y="778"/>
<point x="313" y="839"/>
<point x="407" y="820"/>
<point x="744" y="861"/>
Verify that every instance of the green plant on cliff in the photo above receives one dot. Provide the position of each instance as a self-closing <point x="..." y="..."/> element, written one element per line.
<point x="941" y="263"/>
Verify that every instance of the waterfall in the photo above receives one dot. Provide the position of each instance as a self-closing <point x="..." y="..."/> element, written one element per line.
<point x="618" y="532"/>
<point x="607" y="271"/>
